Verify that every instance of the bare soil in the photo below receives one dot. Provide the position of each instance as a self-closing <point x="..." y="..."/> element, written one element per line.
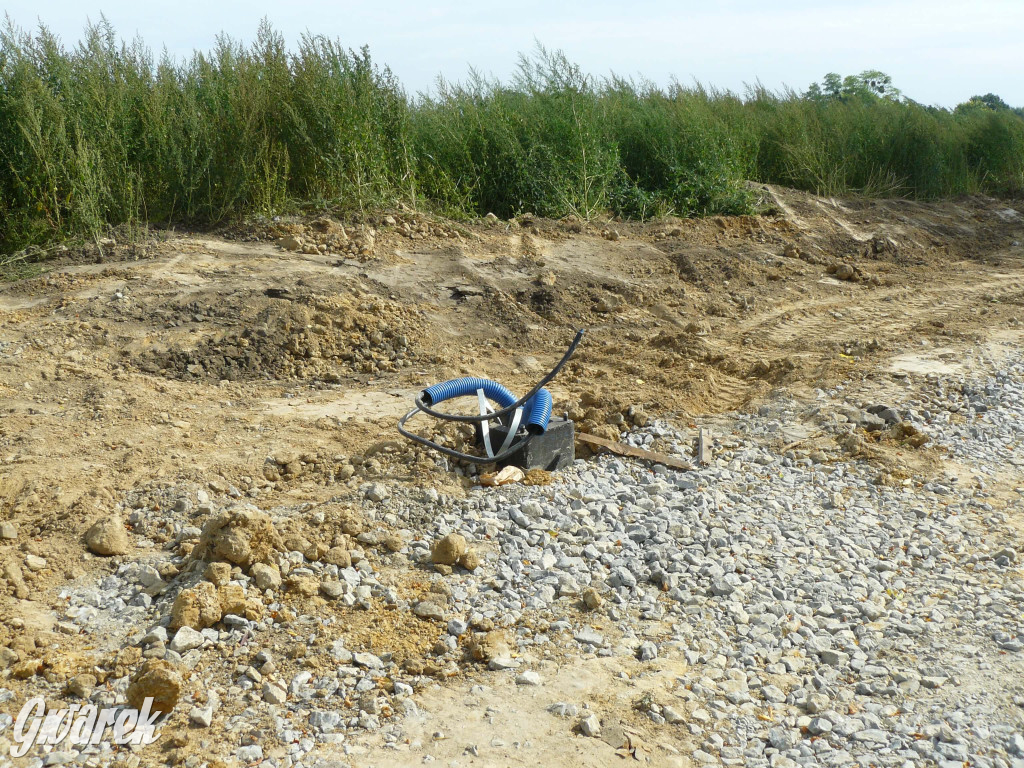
<point x="224" y="360"/>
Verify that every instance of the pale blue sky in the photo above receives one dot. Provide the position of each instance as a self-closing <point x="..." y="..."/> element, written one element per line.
<point x="937" y="52"/>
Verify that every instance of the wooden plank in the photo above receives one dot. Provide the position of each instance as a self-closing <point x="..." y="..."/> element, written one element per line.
<point x="703" y="447"/>
<point x="621" y="449"/>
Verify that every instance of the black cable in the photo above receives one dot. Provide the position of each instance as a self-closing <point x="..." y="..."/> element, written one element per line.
<point x="421" y="406"/>
<point x="458" y="454"/>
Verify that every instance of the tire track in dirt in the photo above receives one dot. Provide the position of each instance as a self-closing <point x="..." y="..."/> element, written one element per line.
<point x="881" y="314"/>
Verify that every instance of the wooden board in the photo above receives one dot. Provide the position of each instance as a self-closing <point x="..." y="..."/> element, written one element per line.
<point x="622" y="449"/>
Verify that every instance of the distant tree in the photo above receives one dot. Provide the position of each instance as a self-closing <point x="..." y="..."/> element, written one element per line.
<point x="988" y="101"/>
<point x="871" y="84"/>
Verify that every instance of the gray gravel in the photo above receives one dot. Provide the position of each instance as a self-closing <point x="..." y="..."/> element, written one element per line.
<point x="891" y="615"/>
<point x="828" y="617"/>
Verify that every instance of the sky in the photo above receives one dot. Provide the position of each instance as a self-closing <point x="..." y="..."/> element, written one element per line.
<point x="937" y="52"/>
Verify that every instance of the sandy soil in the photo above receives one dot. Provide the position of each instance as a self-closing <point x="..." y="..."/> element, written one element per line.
<point x="227" y="361"/>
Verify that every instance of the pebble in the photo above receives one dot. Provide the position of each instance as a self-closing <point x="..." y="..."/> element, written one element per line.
<point x="528" y="677"/>
<point x="590" y="726"/>
<point x="185" y="639"/>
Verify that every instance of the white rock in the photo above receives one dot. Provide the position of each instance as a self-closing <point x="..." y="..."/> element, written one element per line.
<point x="590" y="726"/>
<point x="528" y="677"/>
<point x="185" y="639"/>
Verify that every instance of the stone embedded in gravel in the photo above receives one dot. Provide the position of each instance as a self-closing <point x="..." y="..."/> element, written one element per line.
<point x="289" y="243"/>
<point x="232" y="599"/>
<point x="671" y="715"/>
<point x="448" y="549"/>
<point x="217" y="573"/>
<point x="82" y="685"/>
<point x="8" y="530"/>
<point x="563" y="709"/>
<point x="198" y="607"/>
<point x="427" y="609"/>
<point x="185" y="639"/>
<point x="818" y="726"/>
<point x="647" y="651"/>
<point x="241" y="536"/>
<point x="266" y="576"/>
<point x="834" y="658"/>
<point x="500" y="663"/>
<point x="158" y="679"/>
<point x="773" y="694"/>
<point x="489" y="646"/>
<point x="529" y="677"/>
<point x="368" y="660"/>
<point x="333" y="590"/>
<point x="157" y="634"/>
<point x="592" y="598"/>
<point x="107" y="536"/>
<point x="471" y="560"/>
<point x="338" y="556"/>
<point x="201" y="716"/>
<point x="817" y="702"/>
<point x="590" y="726"/>
<point x="274" y="694"/>
<point x="250" y="754"/>
<point x="303" y="585"/>
<point x="589" y="636"/>
<point x="378" y="492"/>
<point x="1015" y="746"/>
<point x="457" y="627"/>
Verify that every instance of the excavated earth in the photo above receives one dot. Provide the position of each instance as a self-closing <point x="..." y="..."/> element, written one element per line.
<point x="246" y="384"/>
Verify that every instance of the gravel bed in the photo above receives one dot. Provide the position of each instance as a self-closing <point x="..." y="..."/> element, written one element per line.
<point x="827" y="617"/>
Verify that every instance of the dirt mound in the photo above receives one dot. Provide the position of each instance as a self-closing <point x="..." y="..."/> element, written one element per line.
<point x="301" y="337"/>
<point x="240" y="537"/>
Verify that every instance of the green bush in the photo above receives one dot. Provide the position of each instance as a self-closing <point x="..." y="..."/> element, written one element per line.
<point x="103" y="135"/>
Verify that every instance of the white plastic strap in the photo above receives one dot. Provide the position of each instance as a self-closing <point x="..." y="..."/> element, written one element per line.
<point x="485" y="430"/>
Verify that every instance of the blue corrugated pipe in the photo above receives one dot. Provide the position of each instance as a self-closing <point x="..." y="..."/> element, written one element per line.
<point x="536" y="410"/>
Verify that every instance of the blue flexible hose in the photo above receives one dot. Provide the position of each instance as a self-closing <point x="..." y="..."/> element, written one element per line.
<point x="536" y="410"/>
<point x="539" y="408"/>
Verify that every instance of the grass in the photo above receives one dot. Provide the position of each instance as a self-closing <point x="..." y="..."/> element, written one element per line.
<point x="104" y="135"/>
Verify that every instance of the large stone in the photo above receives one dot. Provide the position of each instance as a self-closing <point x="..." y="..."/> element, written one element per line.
<point x="198" y="607"/>
<point x="590" y="726"/>
<point x="306" y="586"/>
<point x="232" y="599"/>
<point x="338" y="556"/>
<point x="158" y="679"/>
<point x="185" y="639"/>
<point x="448" y="550"/>
<point x="427" y="609"/>
<point x="239" y="536"/>
<point x="490" y="646"/>
<point x="107" y="536"/>
<point x="82" y="685"/>
<point x="291" y="243"/>
<point x="8" y="658"/>
<point x="266" y="576"/>
<point x="274" y="694"/>
<point x="471" y="560"/>
<point x="218" y="573"/>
